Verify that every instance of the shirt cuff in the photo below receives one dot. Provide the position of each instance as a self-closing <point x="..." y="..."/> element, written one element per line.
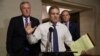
<point x="31" y="39"/>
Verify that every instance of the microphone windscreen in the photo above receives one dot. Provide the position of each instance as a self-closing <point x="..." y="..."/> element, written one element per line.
<point x="51" y="29"/>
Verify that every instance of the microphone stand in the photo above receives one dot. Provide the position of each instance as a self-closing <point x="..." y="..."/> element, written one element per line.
<point x="49" y="42"/>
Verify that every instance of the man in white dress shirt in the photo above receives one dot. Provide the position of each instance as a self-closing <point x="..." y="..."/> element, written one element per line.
<point x="42" y="32"/>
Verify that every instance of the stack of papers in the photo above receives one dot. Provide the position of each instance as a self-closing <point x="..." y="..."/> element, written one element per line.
<point x="84" y="43"/>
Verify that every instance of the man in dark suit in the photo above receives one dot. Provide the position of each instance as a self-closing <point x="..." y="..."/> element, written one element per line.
<point x="74" y="30"/>
<point x="73" y="27"/>
<point x="17" y="43"/>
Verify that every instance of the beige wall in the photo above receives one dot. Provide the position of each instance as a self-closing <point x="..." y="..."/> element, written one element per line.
<point x="8" y="9"/>
<point x="98" y="27"/>
<point x="87" y="25"/>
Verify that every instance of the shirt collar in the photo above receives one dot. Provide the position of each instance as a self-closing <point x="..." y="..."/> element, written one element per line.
<point x="66" y="22"/>
<point x="27" y="18"/>
<point x="57" y="24"/>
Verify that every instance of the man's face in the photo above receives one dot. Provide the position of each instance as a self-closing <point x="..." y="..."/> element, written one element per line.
<point x="66" y="16"/>
<point x="54" y="15"/>
<point x="25" y="9"/>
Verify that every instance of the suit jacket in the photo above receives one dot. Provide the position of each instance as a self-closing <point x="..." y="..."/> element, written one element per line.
<point x="17" y="43"/>
<point x="74" y="30"/>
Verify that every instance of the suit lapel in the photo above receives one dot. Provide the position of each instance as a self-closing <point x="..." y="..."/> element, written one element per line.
<point x="32" y="22"/>
<point x="70" y="26"/>
<point x="22" y="24"/>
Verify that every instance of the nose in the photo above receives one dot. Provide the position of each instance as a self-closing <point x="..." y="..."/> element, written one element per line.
<point x="26" y="10"/>
<point x="55" y="16"/>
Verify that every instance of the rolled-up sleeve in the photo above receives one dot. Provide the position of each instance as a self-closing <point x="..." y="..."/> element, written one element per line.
<point x="33" y="38"/>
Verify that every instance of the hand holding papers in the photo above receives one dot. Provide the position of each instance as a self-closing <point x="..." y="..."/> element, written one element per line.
<point x="84" y="43"/>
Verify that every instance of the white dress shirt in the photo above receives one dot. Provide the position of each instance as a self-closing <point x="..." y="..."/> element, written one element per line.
<point x="42" y="32"/>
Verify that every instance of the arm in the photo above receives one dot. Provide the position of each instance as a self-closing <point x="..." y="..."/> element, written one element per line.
<point x="77" y="30"/>
<point x="33" y="38"/>
<point x="10" y="33"/>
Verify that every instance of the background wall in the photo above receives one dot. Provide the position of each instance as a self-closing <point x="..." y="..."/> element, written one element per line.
<point x="10" y="8"/>
<point x="87" y="25"/>
<point x="98" y="27"/>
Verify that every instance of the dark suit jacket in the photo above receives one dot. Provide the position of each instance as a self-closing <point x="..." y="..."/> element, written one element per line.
<point x="17" y="43"/>
<point x="74" y="30"/>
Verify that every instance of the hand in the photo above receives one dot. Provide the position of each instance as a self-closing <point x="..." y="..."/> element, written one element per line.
<point x="29" y="29"/>
<point x="84" y="53"/>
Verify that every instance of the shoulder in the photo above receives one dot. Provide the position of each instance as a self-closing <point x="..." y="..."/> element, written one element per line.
<point x="34" y="21"/>
<point x="33" y="18"/>
<point x="61" y="25"/>
<point x="15" y="18"/>
<point x="73" y="23"/>
<point x="44" y="24"/>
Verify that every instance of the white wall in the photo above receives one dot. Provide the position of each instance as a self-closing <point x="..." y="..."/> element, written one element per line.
<point x="10" y="8"/>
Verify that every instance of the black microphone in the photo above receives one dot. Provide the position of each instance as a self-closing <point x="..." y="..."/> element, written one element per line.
<point x="50" y="30"/>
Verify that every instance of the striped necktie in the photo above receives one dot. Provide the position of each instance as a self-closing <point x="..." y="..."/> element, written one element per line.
<point x="26" y="21"/>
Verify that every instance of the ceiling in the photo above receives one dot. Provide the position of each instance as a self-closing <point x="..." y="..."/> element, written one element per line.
<point x="65" y="5"/>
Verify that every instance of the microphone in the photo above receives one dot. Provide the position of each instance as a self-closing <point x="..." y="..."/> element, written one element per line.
<point x="50" y="30"/>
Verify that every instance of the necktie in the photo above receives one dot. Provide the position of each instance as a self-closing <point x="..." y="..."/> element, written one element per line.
<point x="26" y="21"/>
<point x="55" y="40"/>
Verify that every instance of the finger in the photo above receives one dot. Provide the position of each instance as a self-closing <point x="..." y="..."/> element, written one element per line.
<point x="34" y="28"/>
